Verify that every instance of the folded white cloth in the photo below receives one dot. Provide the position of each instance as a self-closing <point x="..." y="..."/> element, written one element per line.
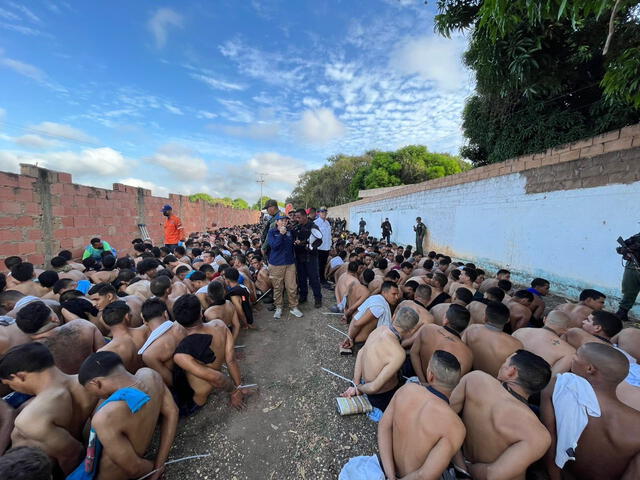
<point x="633" y="378"/>
<point x="157" y="333"/>
<point x="573" y="402"/>
<point x="25" y="301"/>
<point x="362" y="468"/>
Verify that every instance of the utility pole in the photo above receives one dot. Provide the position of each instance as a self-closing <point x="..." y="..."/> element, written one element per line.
<point x="261" y="182"/>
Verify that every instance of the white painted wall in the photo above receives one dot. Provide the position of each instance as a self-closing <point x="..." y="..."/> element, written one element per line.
<point x="565" y="236"/>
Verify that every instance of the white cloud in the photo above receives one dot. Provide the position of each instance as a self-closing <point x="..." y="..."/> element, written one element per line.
<point x="257" y="131"/>
<point x="160" y="23"/>
<point x="237" y="111"/>
<point x="217" y="84"/>
<point x="30" y="71"/>
<point x="35" y="141"/>
<point x="88" y="162"/>
<point x="180" y="161"/>
<point x="311" y="102"/>
<point x="26" y="12"/>
<point x="206" y="114"/>
<point x="280" y="168"/>
<point x="155" y="189"/>
<point x="24" y="30"/>
<point x="173" y="109"/>
<point x="8" y="15"/>
<point x="61" y="130"/>
<point x="320" y="126"/>
<point x="433" y="58"/>
<point x="3" y="114"/>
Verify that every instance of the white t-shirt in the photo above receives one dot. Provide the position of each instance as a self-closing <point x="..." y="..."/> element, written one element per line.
<point x="336" y="262"/>
<point x="325" y="228"/>
<point x="204" y="290"/>
<point x="378" y="306"/>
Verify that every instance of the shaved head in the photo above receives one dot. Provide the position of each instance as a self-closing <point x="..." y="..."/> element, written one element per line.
<point x="558" y="319"/>
<point x="612" y="365"/>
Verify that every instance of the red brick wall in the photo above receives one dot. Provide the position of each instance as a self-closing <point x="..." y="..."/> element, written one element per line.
<point x="42" y="212"/>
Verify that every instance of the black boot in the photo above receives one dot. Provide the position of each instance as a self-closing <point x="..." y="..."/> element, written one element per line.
<point x="623" y="314"/>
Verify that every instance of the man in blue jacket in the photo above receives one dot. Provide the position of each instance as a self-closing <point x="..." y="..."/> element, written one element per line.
<point x="282" y="266"/>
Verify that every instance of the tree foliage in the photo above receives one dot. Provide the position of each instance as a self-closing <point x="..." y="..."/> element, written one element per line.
<point x="343" y="176"/>
<point x="226" y="201"/>
<point x="541" y="76"/>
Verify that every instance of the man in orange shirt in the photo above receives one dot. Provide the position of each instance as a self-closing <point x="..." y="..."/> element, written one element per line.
<point x="173" y="231"/>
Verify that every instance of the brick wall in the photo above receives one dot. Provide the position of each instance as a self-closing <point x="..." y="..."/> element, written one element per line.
<point x="554" y="214"/>
<point x="42" y="212"/>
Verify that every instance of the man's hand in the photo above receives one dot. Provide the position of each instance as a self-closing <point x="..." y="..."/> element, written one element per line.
<point x="282" y="230"/>
<point x="348" y="343"/>
<point x="159" y="474"/>
<point x="237" y="400"/>
<point x="350" y="392"/>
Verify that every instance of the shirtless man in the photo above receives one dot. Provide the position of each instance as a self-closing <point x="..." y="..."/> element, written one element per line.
<point x="356" y="296"/>
<point x="609" y="447"/>
<point x="418" y="305"/>
<point x="125" y="341"/>
<point x="462" y="296"/>
<point x="342" y="269"/>
<point x="590" y="300"/>
<point x="24" y="274"/>
<point x="64" y="270"/>
<point x="539" y="288"/>
<point x="419" y="432"/>
<point x="107" y="274"/>
<point x="378" y="363"/>
<point x="467" y="277"/>
<point x="488" y="343"/>
<point x="69" y="344"/>
<point x="546" y="341"/>
<point x="103" y="294"/>
<point x="438" y="295"/>
<point x="520" y="309"/>
<point x="629" y="341"/>
<point x="599" y="326"/>
<point x="202" y="367"/>
<point x="157" y="351"/>
<point x="478" y="307"/>
<point x="125" y="429"/>
<point x="343" y="285"/>
<point x="162" y="288"/>
<point x="504" y="436"/>
<point x="374" y="312"/>
<point x="447" y="338"/>
<point x="493" y="282"/>
<point x="222" y="309"/>
<point x="54" y="420"/>
<point x="262" y="280"/>
<point x="10" y="334"/>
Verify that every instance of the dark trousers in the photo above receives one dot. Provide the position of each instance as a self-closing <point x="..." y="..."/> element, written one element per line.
<point x="630" y="287"/>
<point x="386" y="236"/>
<point x="308" y="274"/>
<point x="171" y="246"/>
<point x="419" y="240"/>
<point x="323" y="256"/>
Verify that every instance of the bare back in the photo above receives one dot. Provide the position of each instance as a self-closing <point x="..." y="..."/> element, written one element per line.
<point x="434" y="337"/>
<point x="548" y="345"/>
<point x="71" y="343"/>
<point x="576" y="312"/>
<point x="490" y="347"/>
<point x="381" y="350"/>
<point x="477" y="310"/>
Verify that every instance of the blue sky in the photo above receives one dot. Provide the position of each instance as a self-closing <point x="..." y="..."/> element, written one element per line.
<point x="195" y="96"/>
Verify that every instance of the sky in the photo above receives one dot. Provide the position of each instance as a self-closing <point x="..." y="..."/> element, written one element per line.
<point x="207" y="96"/>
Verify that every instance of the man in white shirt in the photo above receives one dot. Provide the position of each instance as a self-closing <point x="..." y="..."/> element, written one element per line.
<point x="323" y="250"/>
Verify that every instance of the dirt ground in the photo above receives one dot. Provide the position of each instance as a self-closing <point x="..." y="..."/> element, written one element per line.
<point x="290" y="429"/>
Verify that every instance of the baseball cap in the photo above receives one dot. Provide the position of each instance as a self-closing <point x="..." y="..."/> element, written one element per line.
<point x="322" y="209"/>
<point x="166" y="208"/>
<point x="281" y="217"/>
<point x="271" y="203"/>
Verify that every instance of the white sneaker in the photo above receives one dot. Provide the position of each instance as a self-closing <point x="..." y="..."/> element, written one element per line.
<point x="296" y="312"/>
<point x="278" y="313"/>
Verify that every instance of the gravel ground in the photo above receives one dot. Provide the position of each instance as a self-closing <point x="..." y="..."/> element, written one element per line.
<point x="290" y="429"/>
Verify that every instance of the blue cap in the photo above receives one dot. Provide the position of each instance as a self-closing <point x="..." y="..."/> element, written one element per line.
<point x="281" y="217"/>
<point x="166" y="207"/>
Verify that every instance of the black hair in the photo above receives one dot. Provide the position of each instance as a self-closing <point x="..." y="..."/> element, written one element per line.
<point x="458" y="317"/>
<point x="455" y="274"/>
<point x="610" y="323"/>
<point x="108" y="261"/>
<point x="441" y="278"/>
<point x="164" y="251"/>
<point x="399" y="259"/>
<point x="386" y="285"/>
<point x="393" y="274"/>
<point x="497" y="314"/>
<point x="406" y="265"/>
<point x="197" y="276"/>
<point x="114" y="313"/>
<point x="125" y="275"/>
<point x="412" y="284"/>
<point x="505" y="285"/>
<point x="196" y="251"/>
<point x="182" y="268"/>
<point x="464" y="294"/>
<point x="12" y="261"/>
<point x="3" y="282"/>
<point x="156" y="251"/>
<point x="479" y="271"/>
<point x="206" y="267"/>
<point x="61" y="284"/>
<point x="23" y="271"/>
<point x="428" y="264"/>
<point x="48" y="278"/>
<point x="431" y="254"/>
<point x="496" y="293"/>
<point x="187" y="310"/>
<point x="102" y="289"/>
<point x="58" y="262"/>
<point x="153" y="308"/>
<point x="125" y="263"/>
<point x="136" y="241"/>
<point x="368" y="275"/>
<point x="99" y="364"/>
<point x="33" y="316"/>
<point x="180" y="250"/>
<point x="232" y="274"/>
<point x="25" y="463"/>
<point x="502" y="271"/>
<point x="138" y="247"/>
<point x="160" y="285"/>
<point x="382" y="264"/>
<point x="592" y="294"/>
<point x="169" y="259"/>
<point x="353" y="266"/>
<point x="525" y="294"/>
<point x="89" y="263"/>
<point x="534" y="372"/>
<point x="539" y="282"/>
<point x="165" y="272"/>
<point x="28" y="357"/>
<point x="471" y="273"/>
<point x="147" y="265"/>
<point x="216" y="292"/>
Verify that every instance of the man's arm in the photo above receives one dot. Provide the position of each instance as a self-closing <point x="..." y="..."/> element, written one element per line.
<point x="356" y="325"/>
<point x="387" y="372"/>
<point x="117" y="445"/>
<point x="230" y="360"/>
<point x="563" y="365"/>
<point x="633" y="469"/>
<point x="437" y="460"/>
<point x="214" y="377"/>
<point x="385" y="441"/>
<point x="98" y="338"/>
<point x="456" y="401"/>
<point x="153" y="362"/>
<point x="548" y="419"/>
<point x="415" y="358"/>
<point x="168" y="427"/>
<point x="237" y="303"/>
<point x="7" y="416"/>
<point x="574" y="337"/>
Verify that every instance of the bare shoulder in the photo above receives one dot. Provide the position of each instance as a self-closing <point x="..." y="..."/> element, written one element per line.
<point x="478" y="378"/>
<point x="80" y="324"/>
<point x="214" y="325"/>
<point x="517" y="421"/>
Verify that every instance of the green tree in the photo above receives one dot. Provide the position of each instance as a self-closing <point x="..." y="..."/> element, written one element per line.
<point x="240" y="203"/>
<point x="260" y="203"/>
<point x="226" y="201"/>
<point x="542" y="77"/>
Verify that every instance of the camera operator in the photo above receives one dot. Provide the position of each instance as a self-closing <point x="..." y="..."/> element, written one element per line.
<point x="630" y="251"/>
<point x="307" y="239"/>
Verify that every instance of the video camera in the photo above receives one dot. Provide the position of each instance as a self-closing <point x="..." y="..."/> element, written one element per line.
<point x="630" y="249"/>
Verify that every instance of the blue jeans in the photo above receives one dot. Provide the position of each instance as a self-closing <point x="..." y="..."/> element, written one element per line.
<point x="307" y="269"/>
